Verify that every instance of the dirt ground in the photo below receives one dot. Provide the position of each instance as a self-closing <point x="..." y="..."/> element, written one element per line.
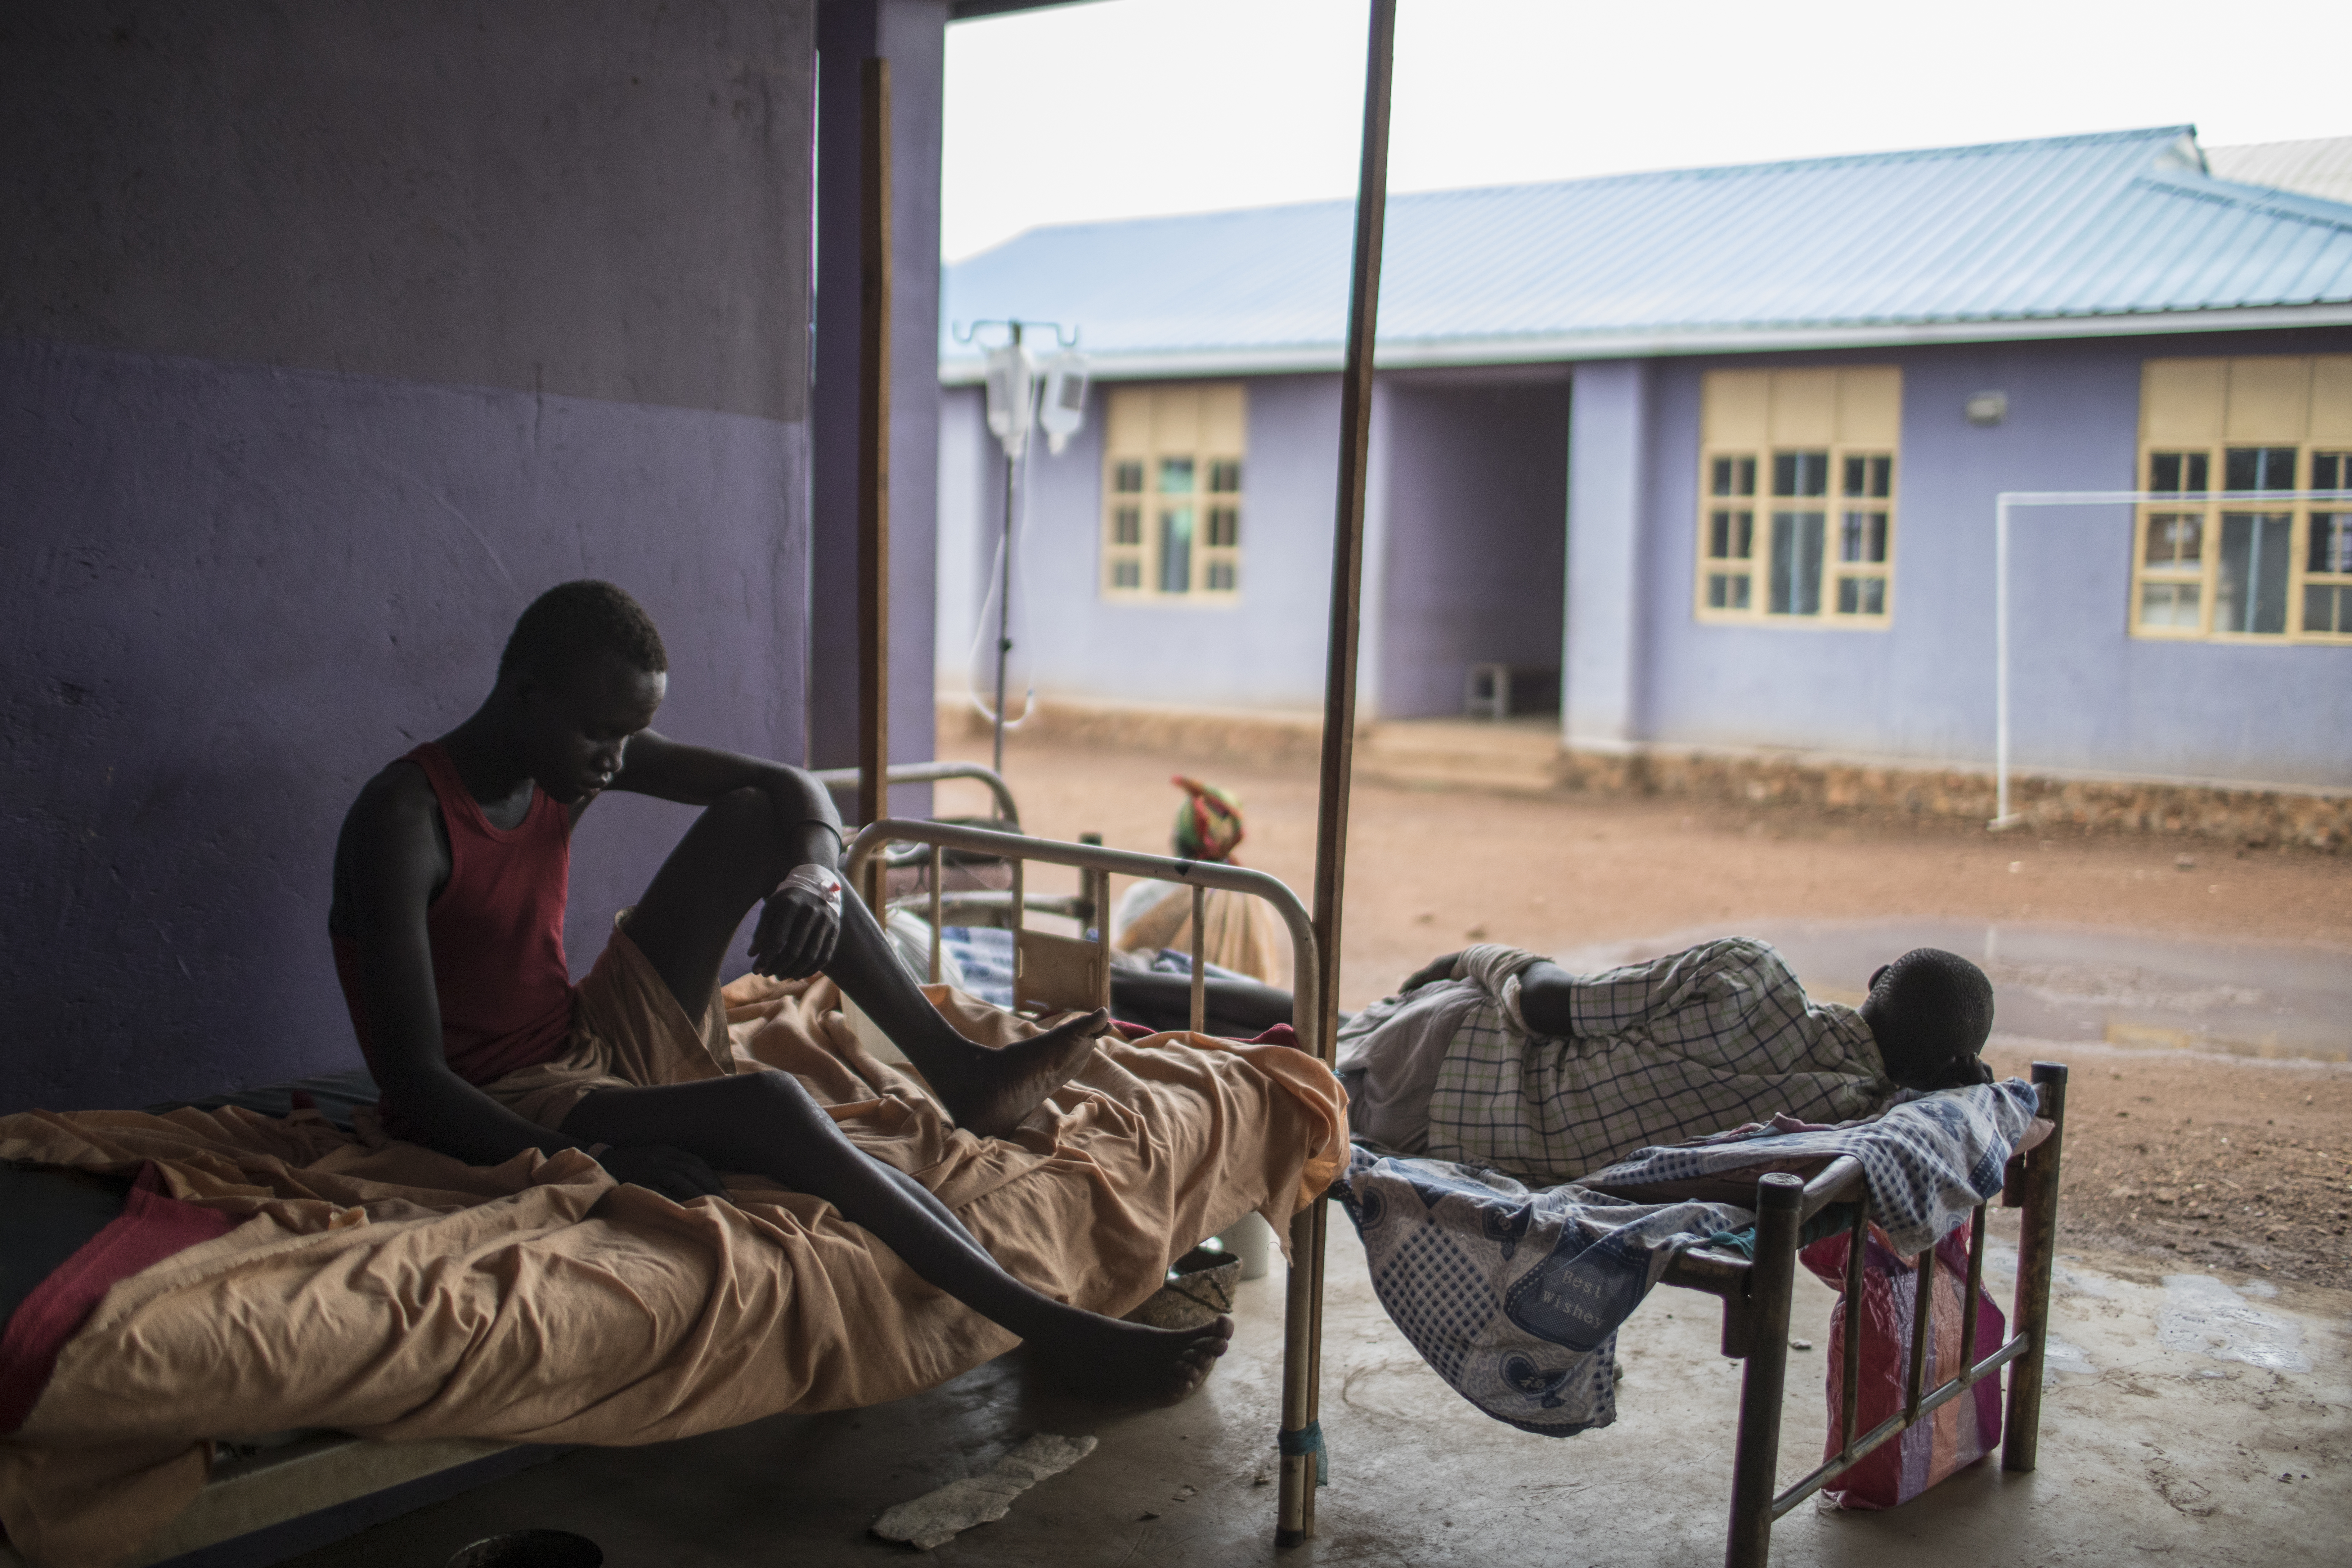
<point x="2219" y="1163"/>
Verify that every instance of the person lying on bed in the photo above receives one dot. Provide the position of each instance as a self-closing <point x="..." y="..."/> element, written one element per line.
<point x="447" y="927"/>
<point x="1498" y="1058"/>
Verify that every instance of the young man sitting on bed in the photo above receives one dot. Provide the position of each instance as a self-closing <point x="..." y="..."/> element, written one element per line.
<point x="448" y="925"/>
<point x="1496" y="1057"/>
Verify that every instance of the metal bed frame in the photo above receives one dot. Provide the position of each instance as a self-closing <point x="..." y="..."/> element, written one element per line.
<point x="1755" y="1292"/>
<point x="1299" y="1439"/>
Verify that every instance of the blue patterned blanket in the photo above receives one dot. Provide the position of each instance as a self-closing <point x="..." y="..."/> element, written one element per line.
<point x="1513" y="1295"/>
<point x="1928" y="1161"/>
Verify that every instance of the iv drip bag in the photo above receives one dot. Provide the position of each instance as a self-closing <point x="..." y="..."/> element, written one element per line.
<point x="1065" y="407"/>
<point x="1011" y="398"/>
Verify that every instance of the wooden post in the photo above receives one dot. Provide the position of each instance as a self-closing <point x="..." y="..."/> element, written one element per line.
<point x="1764" y="1378"/>
<point x="2037" y="1256"/>
<point x="874" y="455"/>
<point x="1301" y="1401"/>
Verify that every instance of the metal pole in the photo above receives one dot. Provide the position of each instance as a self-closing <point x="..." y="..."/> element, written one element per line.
<point x="1301" y="1397"/>
<point x="2001" y="661"/>
<point x="1004" y="587"/>
<point x="873" y="453"/>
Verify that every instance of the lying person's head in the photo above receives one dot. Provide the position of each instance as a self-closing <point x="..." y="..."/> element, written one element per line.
<point x="1930" y="1012"/>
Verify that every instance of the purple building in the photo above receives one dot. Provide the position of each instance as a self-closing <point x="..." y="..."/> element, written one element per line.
<point x="1707" y="460"/>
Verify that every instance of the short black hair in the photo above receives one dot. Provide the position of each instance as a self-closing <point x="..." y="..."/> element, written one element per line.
<point x="572" y="622"/>
<point x="1931" y="1012"/>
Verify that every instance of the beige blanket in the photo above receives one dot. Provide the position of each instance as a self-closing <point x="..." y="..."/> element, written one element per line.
<point x="386" y="1290"/>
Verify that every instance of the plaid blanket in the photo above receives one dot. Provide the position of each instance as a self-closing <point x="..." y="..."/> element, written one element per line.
<point x="1928" y="1161"/>
<point x="1682" y="1046"/>
<point x="1514" y="1297"/>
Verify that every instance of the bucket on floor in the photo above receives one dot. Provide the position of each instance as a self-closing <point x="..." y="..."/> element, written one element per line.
<point x="532" y="1549"/>
<point x="1200" y="1288"/>
<point x="1251" y="1239"/>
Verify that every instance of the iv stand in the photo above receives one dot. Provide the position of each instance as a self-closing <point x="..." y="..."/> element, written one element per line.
<point x="1004" y="591"/>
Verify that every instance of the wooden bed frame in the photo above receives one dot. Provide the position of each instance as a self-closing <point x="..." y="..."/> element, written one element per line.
<point x="1755" y="1294"/>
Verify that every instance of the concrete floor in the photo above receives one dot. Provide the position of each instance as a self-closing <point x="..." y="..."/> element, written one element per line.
<point x="2176" y="1409"/>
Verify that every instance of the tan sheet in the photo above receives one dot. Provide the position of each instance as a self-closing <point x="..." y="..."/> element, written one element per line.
<point x="393" y="1292"/>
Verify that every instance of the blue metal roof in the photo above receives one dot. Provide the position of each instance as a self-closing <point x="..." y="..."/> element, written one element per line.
<point x="2064" y="236"/>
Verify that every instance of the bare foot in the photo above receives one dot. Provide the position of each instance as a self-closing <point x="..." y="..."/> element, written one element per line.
<point x="989" y="1091"/>
<point x="1123" y="1362"/>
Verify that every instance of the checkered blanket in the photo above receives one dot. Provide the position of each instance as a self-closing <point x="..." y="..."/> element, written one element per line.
<point x="1513" y="1297"/>
<point x="1659" y="1052"/>
<point x="1928" y="1161"/>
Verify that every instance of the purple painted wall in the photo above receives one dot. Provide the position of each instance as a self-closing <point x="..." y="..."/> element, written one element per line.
<point x="1263" y="649"/>
<point x="333" y="335"/>
<point x="1477" y="474"/>
<point x="2087" y="696"/>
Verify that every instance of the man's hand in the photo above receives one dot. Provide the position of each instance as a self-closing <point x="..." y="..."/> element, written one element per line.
<point x="673" y="1173"/>
<point x="800" y="925"/>
<point x="1435" y="968"/>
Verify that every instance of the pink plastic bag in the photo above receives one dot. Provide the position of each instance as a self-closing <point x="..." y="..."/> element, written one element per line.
<point x="1958" y="1434"/>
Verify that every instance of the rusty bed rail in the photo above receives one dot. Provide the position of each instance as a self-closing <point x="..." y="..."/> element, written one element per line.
<point x="1299" y="1438"/>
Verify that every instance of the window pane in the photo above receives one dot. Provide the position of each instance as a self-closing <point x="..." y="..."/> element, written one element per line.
<point x="1224" y="527"/>
<point x="2170" y="604"/>
<point x="2251" y="594"/>
<point x="1732" y="476"/>
<point x="1176" y="548"/>
<point x="1744" y="479"/>
<point x="1225" y="476"/>
<point x="2176" y="539"/>
<point x="2328" y="469"/>
<point x="1127" y="478"/>
<point x="1862" y="537"/>
<point x="2176" y="471"/>
<point x="1175" y="475"/>
<point x="2327" y="609"/>
<point x="1718" y="536"/>
<point x="1800" y="473"/>
<point x="2331" y="542"/>
<point x="1796" y="564"/>
<point x="1873" y="595"/>
<point x="1849" y="599"/>
<point x="1718" y="591"/>
<point x="1126" y="574"/>
<point x="1719" y="478"/>
<point x="2259" y="469"/>
<point x="1869" y="477"/>
<point x="1126" y="527"/>
<point x="1221" y="577"/>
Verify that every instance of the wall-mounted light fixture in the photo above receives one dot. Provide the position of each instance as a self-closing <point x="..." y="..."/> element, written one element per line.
<point x="1987" y="408"/>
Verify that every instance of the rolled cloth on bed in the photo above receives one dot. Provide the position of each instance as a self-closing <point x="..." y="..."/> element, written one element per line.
<point x="384" y="1289"/>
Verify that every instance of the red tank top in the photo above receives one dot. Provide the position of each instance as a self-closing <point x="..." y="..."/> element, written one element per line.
<point x="497" y="931"/>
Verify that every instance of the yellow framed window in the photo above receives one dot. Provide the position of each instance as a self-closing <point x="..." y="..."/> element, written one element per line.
<point x="1172" y="502"/>
<point x="1796" y="522"/>
<point x="2244" y="570"/>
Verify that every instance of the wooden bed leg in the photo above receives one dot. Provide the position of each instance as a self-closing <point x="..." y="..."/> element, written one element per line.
<point x="1301" y="1437"/>
<point x="2037" y="1255"/>
<point x="1756" y="1461"/>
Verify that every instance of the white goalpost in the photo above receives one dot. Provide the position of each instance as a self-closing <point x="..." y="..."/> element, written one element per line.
<point x="2007" y="500"/>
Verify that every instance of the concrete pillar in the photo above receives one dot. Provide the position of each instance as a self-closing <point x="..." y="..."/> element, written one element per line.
<point x="912" y="35"/>
<point x="1601" y="673"/>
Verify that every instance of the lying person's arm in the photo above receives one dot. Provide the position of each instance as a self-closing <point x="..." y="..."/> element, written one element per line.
<point x="396" y="861"/>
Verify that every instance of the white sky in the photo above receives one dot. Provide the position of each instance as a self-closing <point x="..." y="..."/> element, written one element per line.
<point x="1126" y="108"/>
